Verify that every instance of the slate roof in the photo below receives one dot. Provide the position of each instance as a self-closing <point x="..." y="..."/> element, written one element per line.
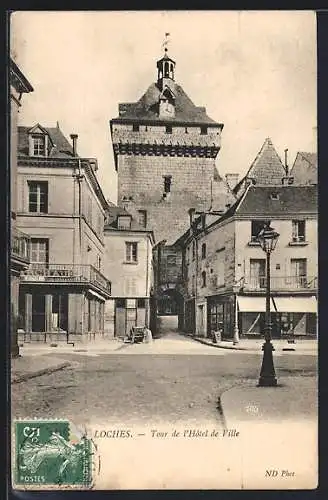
<point x="305" y="168"/>
<point x="258" y="200"/>
<point x="266" y="169"/>
<point x="147" y="108"/>
<point x="61" y="148"/>
<point x="113" y="211"/>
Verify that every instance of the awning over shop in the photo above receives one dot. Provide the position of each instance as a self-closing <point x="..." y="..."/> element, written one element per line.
<point x="296" y="304"/>
<point x="253" y="304"/>
<point x="95" y="294"/>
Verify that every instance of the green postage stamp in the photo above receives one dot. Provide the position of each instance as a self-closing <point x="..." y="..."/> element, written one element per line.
<point x="50" y="453"/>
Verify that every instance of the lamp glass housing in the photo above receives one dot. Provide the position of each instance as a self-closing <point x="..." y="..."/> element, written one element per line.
<point x="268" y="239"/>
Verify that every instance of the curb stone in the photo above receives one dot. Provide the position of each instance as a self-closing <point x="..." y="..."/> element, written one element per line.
<point x="26" y="376"/>
<point x="218" y="346"/>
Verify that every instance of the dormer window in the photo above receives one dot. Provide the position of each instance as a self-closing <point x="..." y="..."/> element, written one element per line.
<point x="124" y="222"/>
<point x="39" y="141"/>
<point x="39" y="145"/>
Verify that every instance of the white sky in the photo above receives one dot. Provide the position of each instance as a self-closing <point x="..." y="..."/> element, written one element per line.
<point x="254" y="71"/>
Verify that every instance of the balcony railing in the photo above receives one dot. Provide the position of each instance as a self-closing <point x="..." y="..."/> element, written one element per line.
<point x="20" y="245"/>
<point x="280" y="283"/>
<point x="67" y="273"/>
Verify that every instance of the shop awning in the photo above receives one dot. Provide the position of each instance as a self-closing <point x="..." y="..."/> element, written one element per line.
<point x="253" y="304"/>
<point x="296" y="304"/>
<point x="95" y="294"/>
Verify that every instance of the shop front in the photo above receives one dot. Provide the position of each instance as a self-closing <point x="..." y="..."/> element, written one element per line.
<point x="290" y="316"/>
<point x="220" y="316"/>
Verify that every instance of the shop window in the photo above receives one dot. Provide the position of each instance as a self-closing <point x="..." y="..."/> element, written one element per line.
<point x="38" y="197"/>
<point x="120" y="303"/>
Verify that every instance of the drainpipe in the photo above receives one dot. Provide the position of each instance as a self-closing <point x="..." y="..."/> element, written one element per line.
<point x="147" y="287"/>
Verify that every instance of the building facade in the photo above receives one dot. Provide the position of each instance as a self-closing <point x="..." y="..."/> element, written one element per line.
<point x="19" y="248"/>
<point x="62" y="208"/>
<point x="165" y="150"/>
<point x="128" y="260"/>
<point x="224" y="266"/>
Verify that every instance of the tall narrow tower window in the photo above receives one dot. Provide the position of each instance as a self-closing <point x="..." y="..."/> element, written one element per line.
<point x="167" y="183"/>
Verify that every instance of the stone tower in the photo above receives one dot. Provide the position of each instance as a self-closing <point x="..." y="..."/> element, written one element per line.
<point x="165" y="149"/>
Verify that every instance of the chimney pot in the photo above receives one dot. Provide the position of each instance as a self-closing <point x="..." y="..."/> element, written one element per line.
<point x="74" y="139"/>
<point x="191" y="213"/>
<point x="232" y="180"/>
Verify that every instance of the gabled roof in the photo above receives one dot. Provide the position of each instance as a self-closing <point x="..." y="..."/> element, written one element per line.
<point x="61" y="148"/>
<point x="305" y="168"/>
<point x="147" y="108"/>
<point x="266" y="169"/>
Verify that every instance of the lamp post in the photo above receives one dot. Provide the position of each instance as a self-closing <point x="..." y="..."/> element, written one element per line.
<point x="267" y="238"/>
<point x="235" y="289"/>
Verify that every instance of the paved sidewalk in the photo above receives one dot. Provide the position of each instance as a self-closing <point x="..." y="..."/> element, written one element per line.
<point x="300" y="345"/>
<point x="24" y="368"/>
<point x="294" y="398"/>
<point x="103" y="345"/>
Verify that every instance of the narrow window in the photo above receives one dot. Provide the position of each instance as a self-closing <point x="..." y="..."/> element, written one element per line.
<point x="39" y="251"/>
<point x="203" y="130"/>
<point x="167" y="183"/>
<point x="257" y="226"/>
<point x="168" y="129"/>
<point x="131" y="251"/>
<point x="142" y="218"/>
<point x="193" y="250"/>
<point x="135" y="127"/>
<point x="203" y="250"/>
<point x="298" y="230"/>
<point x="203" y="279"/>
<point x="141" y="303"/>
<point x="38" y="197"/>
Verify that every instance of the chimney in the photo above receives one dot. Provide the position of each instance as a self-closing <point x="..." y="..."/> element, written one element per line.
<point x="286" y="162"/>
<point x="191" y="213"/>
<point x="74" y="139"/>
<point x="232" y="180"/>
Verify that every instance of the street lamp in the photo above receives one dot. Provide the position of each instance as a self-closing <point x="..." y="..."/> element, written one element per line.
<point x="236" y="289"/>
<point x="267" y="238"/>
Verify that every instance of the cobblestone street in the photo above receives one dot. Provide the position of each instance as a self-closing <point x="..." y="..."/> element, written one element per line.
<point x="174" y="380"/>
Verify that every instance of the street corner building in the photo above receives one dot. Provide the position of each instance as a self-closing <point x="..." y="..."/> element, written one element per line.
<point x="165" y="148"/>
<point x="61" y="207"/>
<point x="19" y="260"/>
<point x="224" y="268"/>
<point x="129" y="262"/>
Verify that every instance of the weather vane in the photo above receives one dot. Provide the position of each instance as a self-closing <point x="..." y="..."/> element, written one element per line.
<point x="166" y="41"/>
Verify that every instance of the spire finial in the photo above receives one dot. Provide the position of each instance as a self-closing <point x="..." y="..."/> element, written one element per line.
<point x="166" y="42"/>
